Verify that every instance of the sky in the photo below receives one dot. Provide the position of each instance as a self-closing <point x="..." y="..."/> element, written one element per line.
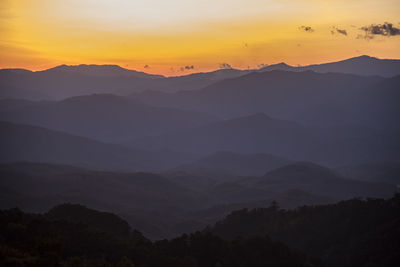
<point x="176" y="37"/>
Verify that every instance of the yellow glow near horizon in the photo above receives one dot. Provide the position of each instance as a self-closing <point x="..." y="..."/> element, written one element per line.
<point x="167" y="35"/>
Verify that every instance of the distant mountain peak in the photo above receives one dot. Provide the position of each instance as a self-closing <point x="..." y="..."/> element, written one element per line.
<point x="362" y="58"/>
<point x="281" y="64"/>
<point x="100" y="70"/>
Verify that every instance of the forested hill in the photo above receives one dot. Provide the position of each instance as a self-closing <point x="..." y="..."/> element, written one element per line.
<point x="69" y="235"/>
<point x="350" y="233"/>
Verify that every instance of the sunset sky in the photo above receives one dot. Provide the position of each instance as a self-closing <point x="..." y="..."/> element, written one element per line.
<point x="164" y="36"/>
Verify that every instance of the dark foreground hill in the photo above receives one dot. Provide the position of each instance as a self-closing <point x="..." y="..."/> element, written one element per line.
<point x="168" y="205"/>
<point x="349" y="233"/>
<point x="42" y="240"/>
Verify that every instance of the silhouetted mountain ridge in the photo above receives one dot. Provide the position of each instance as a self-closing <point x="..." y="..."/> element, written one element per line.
<point x="362" y="65"/>
<point x="105" y="117"/>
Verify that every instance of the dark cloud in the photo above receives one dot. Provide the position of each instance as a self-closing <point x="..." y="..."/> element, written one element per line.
<point x="225" y="66"/>
<point x="337" y="30"/>
<point x="306" y="28"/>
<point x="146" y="66"/>
<point x="188" y="67"/>
<point x="386" y="29"/>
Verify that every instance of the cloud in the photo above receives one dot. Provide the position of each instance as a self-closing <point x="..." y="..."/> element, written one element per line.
<point x="262" y="65"/>
<point x="337" y="30"/>
<point x="188" y="67"/>
<point x="306" y="28"/>
<point x="225" y="66"/>
<point x="146" y="66"/>
<point x="385" y="29"/>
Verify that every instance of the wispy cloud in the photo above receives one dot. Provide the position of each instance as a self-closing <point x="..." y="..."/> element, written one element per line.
<point x="335" y="30"/>
<point x="306" y="28"/>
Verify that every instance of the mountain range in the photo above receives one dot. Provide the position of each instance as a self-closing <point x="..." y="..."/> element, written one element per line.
<point x="362" y="65"/>
<point x="172" y="155"/>
<point x="104" y="117"/>
<point x="319" y="98"/>
<point x="163" y="206"/>
<point x="66" y="81"/>
<point x="21" y="142"/>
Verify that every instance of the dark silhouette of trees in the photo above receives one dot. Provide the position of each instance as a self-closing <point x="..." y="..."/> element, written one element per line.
<point x="71" y="235"/>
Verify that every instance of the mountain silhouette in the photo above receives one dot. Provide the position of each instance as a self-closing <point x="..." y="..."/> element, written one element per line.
<point x="226" y="162"/>
<point x="318" y="98"/>
<point x="104" y="117"/>
<point x="313" y="178"/>
<point x="256" y="133"/>
<point x="32" y="143"/>
<point x="66" y="81"/>
<point x="362" y="65"/>
<point x="98" y="70"/>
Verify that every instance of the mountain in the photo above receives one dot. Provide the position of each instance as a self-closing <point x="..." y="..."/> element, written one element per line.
<point x="31" y="143"/>
<point x="190" y="82"/>
<point x="97" y="221"/>
<point x="104" y="117"/>
<point x="226" y="162"/>
<point x="281" y="94"/>
<point x="161" y="205"/>
<point x="259" y="133"/>
<point x="384" y="172"/>
<point x="293" y="185"/>
<point x="97" y="71"/>
<point x="316" y="179"/>
<point x="67" y="81"/>
<point x="256" y="133"/>
<point x="35" y="239"/>
<point x="318" y="98"/>
<point x="368" y="228"/>
<point x="280" y="66"/>
<point x="149" y="202"/>
<point x="362" y="65"/>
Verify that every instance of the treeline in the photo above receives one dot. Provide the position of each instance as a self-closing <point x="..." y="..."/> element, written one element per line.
<point x="350" y="233"/>
<point x="72" y="235"/>
<point x="355" y="232"/>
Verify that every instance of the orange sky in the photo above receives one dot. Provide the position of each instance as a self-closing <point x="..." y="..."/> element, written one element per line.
<point x="167" y="35"/>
